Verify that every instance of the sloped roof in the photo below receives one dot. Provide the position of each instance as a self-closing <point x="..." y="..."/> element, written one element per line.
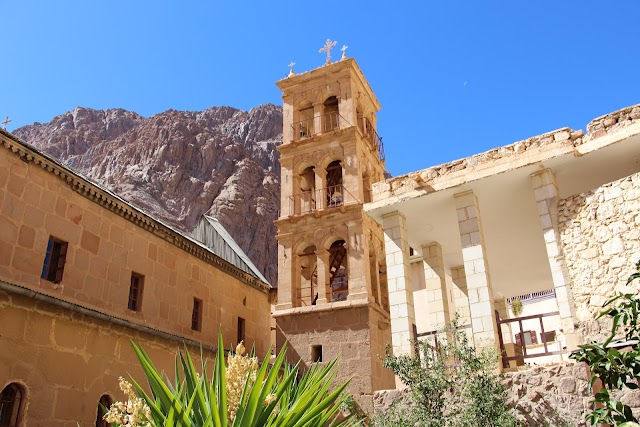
<point x="106" y="198"/>
<point x="215" y="237"/>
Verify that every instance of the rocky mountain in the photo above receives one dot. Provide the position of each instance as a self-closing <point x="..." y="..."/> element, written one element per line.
<point x="177" y="165"/>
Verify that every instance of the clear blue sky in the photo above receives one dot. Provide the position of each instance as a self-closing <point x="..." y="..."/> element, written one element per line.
<point x="454" y="77"/>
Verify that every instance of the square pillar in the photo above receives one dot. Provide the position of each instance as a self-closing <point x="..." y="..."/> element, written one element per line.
<point x="358" y="263"/>
<point x="460" y="294"/>
<point x="474" y="255"/>
<point x="545" y="190"/>
<point x="399" y="283"/>
<point x="285" y="274"/>
<point x="319" y="193"/>
<point x="436" y="286"/>
<point x="323" y="276"/>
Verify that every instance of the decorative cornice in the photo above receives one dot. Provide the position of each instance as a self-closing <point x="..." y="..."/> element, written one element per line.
<point x="110" y="201"/>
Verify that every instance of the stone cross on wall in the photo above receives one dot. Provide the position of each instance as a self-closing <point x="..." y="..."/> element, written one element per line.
<point x="6" y="122"/>
<point x="291" y="64"/>
<point x="328" y="45"/>
<point x="344" y="51"/>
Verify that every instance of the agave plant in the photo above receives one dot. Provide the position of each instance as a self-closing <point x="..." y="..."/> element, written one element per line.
<point x="271" y="396"/>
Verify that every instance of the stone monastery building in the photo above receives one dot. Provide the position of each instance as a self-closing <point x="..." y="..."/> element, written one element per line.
<point x="82" y="272"/>
<point x="550" y="222"/>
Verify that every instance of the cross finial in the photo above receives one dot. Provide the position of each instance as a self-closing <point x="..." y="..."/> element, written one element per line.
<point x="344" y="51"/>
<point x="291" y="64"/>
<point x="328" y="45"/>
<point x="5" y="123"/>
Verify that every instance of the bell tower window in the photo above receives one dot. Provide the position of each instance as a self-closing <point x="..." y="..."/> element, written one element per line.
<point x="308" y="276"/>
<point x="305" y="127"/>
<point x="338" y="272"/>
<point x="335" y="192"/>
<point x="330" y="117"/>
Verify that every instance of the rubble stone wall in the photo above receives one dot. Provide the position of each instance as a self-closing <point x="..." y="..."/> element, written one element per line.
<point x="600" y="236"/>
<point x="554" y="395"/>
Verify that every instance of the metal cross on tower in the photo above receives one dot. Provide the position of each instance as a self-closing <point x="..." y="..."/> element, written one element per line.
<point x="5" y="123"/>
<point x="344" y="51"/>
<point x="328" y="45"/>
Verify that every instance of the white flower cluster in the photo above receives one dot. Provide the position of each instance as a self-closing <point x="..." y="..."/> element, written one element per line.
<point x="132" y="413"/>
<point x="240" y="369"/>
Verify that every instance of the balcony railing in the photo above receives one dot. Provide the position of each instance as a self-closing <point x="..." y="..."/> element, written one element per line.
<point x="551" y="346"/>
<point x="371" y="136"/>
<point x="324" y="198"/>
<point x="322" y="124"/>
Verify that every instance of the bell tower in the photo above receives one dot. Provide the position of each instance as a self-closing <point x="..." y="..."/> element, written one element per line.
<point x="332" y="289"/>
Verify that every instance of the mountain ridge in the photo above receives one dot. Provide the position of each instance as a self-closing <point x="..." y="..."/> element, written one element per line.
<point x="178" y="165"/>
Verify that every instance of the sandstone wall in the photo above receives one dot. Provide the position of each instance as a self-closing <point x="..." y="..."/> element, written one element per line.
<point x="104" y="249"/>
<point x="65" y="361"/>
<point x="600" y="236"/>
<point x="356" y="335"/>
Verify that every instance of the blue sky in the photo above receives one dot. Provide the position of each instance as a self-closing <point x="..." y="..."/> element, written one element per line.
<point x="454" y="77"/>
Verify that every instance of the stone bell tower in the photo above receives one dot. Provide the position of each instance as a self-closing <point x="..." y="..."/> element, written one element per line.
<point x="332" y="290"/>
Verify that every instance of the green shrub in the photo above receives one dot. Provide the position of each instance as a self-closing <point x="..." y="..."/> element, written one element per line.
<point x="451" y="384"/>
<point x="240" y="393"/>
<point x="616" y="369"/>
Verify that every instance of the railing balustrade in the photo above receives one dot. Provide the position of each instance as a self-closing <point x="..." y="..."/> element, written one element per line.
<point x="312" y="126"/>
<point x="543" y="337"/>
<point x="324" y="198"/>
<point x="370" y="135"/>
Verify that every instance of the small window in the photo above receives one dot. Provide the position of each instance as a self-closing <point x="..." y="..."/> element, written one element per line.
<point x="54" y="260"/>
<point x="316" y="353"/>
<point x="103" y="406"/>
<point x="196" y="315"/>
<point x="240" y="329"/>
<point x="135" y="292"/>
<point x="530" y="338"/>
<point x="10" y="401"/>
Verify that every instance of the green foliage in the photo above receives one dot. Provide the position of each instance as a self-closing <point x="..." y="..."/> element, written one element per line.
<point x="516" y="307"/>
<point x="616" y="369"/>
<point x="451" y="384"/>
<point x="279" y="395"/>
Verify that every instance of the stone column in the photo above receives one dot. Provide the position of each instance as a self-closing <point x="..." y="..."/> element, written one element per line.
<point x="460" y="297"/>
<point x="351" y="183"/>
<point x="474" y="255"/>
<point x="323" y="276"/>
<point x="399" y="283"/>
<point x="358" y="263"/>
<point x="545" y="190"/>
<point x="319" y="194"/>
<point x="436" y="286"/>
<point x="285" y="295"/>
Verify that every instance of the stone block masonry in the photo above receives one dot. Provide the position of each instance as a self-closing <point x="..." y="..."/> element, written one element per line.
<point x="600" y="233"/>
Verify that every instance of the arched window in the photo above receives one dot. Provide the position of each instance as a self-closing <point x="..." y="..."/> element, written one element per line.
<point x="305" y="126"/>
<point x="308" y="276"/>
<point x="335" y="192"/>
<point x="103" y="405"/>
<point x="10" y="401"/>
<point x="338" y="273"/>
<point x="307" y="190"/>
<point x="330" y="117"/>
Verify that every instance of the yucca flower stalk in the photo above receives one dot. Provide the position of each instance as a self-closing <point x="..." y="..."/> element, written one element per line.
<point x="240" y="393"/>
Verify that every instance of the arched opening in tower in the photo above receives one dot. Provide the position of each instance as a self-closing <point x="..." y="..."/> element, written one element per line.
<point x="308" y="276"/>
<point x="331" y="115"/>
<point x="338" y="272"/>
<point x="335" y="193"/>
<point x="307" y="190"/>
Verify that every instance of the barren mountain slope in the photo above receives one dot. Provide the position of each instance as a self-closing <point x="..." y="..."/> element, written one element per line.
<point x="178" y="165"/>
